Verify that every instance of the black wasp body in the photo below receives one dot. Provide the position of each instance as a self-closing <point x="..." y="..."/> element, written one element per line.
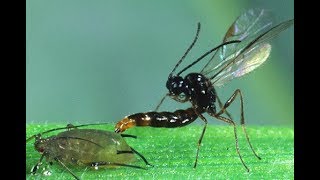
<point x="195" y="88"/>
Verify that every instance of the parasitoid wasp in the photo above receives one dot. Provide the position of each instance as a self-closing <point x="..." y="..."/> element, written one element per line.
<point x="245" y="46"/>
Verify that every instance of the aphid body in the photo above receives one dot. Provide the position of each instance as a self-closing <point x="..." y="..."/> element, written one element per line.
<point x="85" y="147"/>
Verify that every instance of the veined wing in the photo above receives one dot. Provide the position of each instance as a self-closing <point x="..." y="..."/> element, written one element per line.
<point x="245" y="28"/>
<point x="248" y="58"/>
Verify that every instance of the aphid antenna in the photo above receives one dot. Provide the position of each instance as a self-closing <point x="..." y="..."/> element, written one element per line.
<point x="69" y="126"/>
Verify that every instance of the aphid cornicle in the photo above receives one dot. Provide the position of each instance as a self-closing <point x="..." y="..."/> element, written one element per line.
<point x="245" y="46"/>
<point x="85" y="147"/>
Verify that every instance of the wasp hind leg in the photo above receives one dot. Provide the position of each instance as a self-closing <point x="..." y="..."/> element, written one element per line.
<point x="230" y="121"/>
<point x="221" y="106"/>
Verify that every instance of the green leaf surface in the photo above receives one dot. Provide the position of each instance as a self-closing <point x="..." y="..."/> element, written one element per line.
<point x="173" y="151"/>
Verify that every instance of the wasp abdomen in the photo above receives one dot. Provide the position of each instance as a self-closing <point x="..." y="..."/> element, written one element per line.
<point x="165" y="119"/>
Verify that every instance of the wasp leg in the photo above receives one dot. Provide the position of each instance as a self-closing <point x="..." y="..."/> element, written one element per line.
<point x="226" y="105"/>
<point x="180" y="100"/>
<point x="103" y="163"/>
<point x="161" y="101"/>
<point x="229" y="121"/>
<point x="174" y="97"/>
<point x="221" y="106"/>
<point x="201" y="137"/>
<point x="62" y="164"/>
<point x="235" y="136"/>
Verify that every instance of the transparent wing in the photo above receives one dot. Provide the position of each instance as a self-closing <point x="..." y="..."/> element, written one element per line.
<point x="245" y="56"/>
<point x="248" y="26"/>
<point x="243" y="64"/>
<point x="245" y="28"/>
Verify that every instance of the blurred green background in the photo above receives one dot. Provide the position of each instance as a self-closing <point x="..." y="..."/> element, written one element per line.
<point x="98" y="61"/>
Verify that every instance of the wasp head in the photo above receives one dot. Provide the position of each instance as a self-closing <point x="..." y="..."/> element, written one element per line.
<point x="178" y="89"/>
<point x="175" y="85"/>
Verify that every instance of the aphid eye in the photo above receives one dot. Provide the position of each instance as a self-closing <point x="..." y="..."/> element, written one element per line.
<point x="41" y="150"/>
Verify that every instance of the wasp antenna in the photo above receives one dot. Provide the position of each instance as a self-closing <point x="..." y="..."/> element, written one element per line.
<point x="206" y="54"/>
<point x="188" y="50"/>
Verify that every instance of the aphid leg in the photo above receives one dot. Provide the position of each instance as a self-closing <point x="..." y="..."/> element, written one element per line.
<point x="136" y="152"/>
<point x="124" y="152"/>
<point x="235" y="136"/>
<point x="36" y="167"/>
<point x="227" y="104"/>
<point x="133" y="150"/>
<point x="141" y="156"/>
<point x="103" y="163"/>
<point x="128" y="135"/>
<point x="201" y="137"/>
<point x="62" y="164"/>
